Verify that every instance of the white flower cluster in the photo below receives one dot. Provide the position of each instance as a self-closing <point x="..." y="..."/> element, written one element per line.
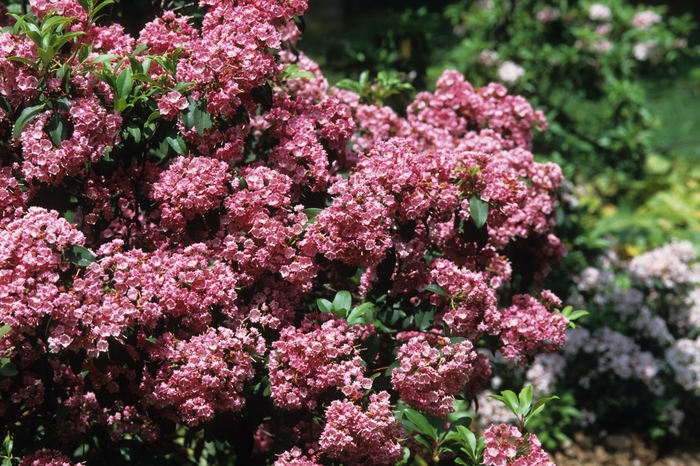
<point x="620" y="355"/>
<point x="671" y="264"/>
<point x="645" y="19"/>
<point x="684" y="359"/>
<point x="599" y="12"/>
<point x="544" y="371"/>
<point x="648" y="50"/>
<point x="510" y="72"/>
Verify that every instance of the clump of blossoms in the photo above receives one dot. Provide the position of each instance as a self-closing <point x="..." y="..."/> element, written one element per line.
<point x="505" y="445"/>
<point x="429" y="376"/>
<point x="242" y="254"/>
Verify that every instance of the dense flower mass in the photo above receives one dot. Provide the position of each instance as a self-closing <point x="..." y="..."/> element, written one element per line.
<point x="429" y="376"/>
<point x="196" y="231"/>
<point x="361" y="437"/>
<point x="506" y="445"/>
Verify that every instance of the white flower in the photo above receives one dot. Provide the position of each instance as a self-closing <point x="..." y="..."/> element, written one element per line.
<point x="510" y="72"/>
<point x="645" y="19"/>
<point x="488" y="57"/>
<point x="599" y="12"/>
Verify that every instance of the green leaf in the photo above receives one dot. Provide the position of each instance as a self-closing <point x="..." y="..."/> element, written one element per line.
<point x="509" y="399"/>
<point x="392" y="366"/>
<point x="423" y="441"/>
<point x="311" y="213"/>
<point x="342" y="300"/>
<point x="577" y="314"/>
<point x="65" y="38"/>
<point x="4" y="329"/>
<point x="200" y="118"/>
<point x="357" y="315"/>
<point x="539" y="406"/>
<point x="177" y="143"/>
<point x="324" y="305"/>
<point x="144" y="78"/>
<point x="421" y="423"/>
<point x="468" y="439"/>
<point x="26" y="61"/>
<point x="479" y="211"/>
<point x="27" y="115"/>
<point x="434" y="288"/>
<point x="80" y="256"/>
<point x="525" y="398"/>
<point x="124" y="83"/>
<point x="57" y="129"/>
<point x="134" y="131"/>
<point x="7" y="368"/>
<point x="152" y="340"/>
<point x="424" y="319"/>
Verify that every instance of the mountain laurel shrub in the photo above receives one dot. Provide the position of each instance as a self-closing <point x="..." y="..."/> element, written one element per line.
<point x="209" y="255"/>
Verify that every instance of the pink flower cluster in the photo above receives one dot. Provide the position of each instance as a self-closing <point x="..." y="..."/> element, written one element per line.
<point x="46" y="458"/>
<point x="206" y="374"/>
<point x="430" y="375"/>
<point x="507" y="446"/>
<point x="360" y="436"/>
<point x="190" y="186"/>
<point x="528" y="328"/>
<point x="305" y="364"/>
<point x="471" y="306"/>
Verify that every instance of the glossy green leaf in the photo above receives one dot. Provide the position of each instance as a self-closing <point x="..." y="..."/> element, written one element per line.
<point x="7" y="368"/>
<point x="324" y="305"/>
<point x="434" y="288"/>
<point x="342" y="300"/>
<point x="57" y="129"/>
<point x="479" y="210"/>
<point x="79" y="256"/>
<point x="359" y="313"/>
<point x="177" y="143"/>
<point x="124" y="83"/>
<point x="525" y="399"/>
<point x="27" y="115"/>
<point x="421" y="423"/>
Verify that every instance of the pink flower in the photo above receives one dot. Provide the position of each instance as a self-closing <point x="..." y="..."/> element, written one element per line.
<point x="359" y="436"/>
<point x="506" y="446"/>
<point x="645" y="19"/>
<point x="430" y="375"/>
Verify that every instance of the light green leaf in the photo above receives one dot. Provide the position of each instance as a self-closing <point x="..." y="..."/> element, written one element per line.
<point x="4" y="329"/>
<point x="311" y="213"/>
<point x="342" y="300"/>
<point x="525" y="398"/>
<point x="125" y="83"/>
<point x="324" y="305"/>
<point x="479" y="210"/>
<point x="359" y="313"/>
<point x="78" y="255"/>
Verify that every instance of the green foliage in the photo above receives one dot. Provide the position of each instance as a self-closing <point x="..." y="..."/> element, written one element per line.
<point x="585" y="74"/>
<point x="387" y="84"/>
